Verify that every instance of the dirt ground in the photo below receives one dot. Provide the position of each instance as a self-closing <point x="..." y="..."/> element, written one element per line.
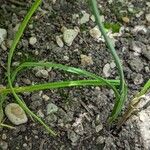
<point x="82" y="112"/>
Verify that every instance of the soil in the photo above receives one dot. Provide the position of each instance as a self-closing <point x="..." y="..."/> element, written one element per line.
<point x="81" y="119"/>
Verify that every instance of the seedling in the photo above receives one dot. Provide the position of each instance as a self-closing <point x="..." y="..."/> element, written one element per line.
<point x="93" y="79"/>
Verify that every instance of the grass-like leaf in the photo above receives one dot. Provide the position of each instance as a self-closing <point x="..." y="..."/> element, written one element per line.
<point x="62" y="84"/>
<point x="123" y="90"/>
<point x="108" y="83"/>
<point x="10" y="55"/>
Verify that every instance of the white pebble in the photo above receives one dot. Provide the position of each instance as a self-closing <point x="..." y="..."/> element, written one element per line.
<point x="95" y="33"/>
<point x="85" y="18"/>
<point x="42" y="73"/>
<point x="15" y="114"/>
<point x="86" y="60"/>
<point x="3" y="34"/>
<point x="147" y="16"/>
<point x="59" y="41"/>
<point x="32" y="40"/>
<point x="69" y="35"/>
<point x="106" y="70"/>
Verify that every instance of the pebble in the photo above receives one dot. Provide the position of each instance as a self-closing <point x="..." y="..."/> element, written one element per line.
<point x="85" y="18"/>
<point x="73" y="136"/>
<point x="69" y="35"/>
<point x="146" y="52"/>
<point x="51" y="108"/>
<point x="15" y="114"/>
<point x="138" y="79"/>
<point x="59" y="41"/>
<point x="106" y="70"/>
<point x="40" y="113"/>
<point x="112" y="65"/>
<point x="86" y="60"/>
<point x="3" y="145"/>
<point x="32" y="40"/>
<point x="45" y="97"/>
<point x="136" y="64"/>
<point x="3" y="34"/>
<point x="100" y="140"/>
<point x="99" y="127"/>
<point x="4" y="137"/>
<point x="147" y="17"/>
<point x="101" y="17"/>
<point x="42" y="73"/>
<point x="95" y="33"/>
<point x="125" y="19"/>
<point x="137" y="46"/>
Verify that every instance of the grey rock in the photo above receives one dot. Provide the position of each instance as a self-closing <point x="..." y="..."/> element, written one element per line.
<point x="146" y="52"/>
<point x="99" y="127"/>
<point x="136" y="64"/>
<point x="73" y="136"/>
<point x="51" y="118"/>
<point x="138" y="47"/>
<point x="3" y="145"/>
<point x="85" y="18"/>
<point x="69" y="35"/>
<point x="51" y="108"/>
<point x="100" y="140"/>
<point x="42" y="73"/>
<point x="3" y="34"/>
<point x="138" y="79"/>
<point x="15" y="114"/>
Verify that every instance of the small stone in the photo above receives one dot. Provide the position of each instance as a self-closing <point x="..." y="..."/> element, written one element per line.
<point x="85" y="18"/>
<point x="4" y="137"/>
<point x="40" y="113"/>
<point x="59" y="41"/>
<point x="69" y="35"/>
<point x="137" y="46"/>
<point x="138" y="79"/>
<point x="95" y="33"/>
<point x="147" y="16"/>
<point x="106" y="70"/>
<point x="3" y="145"/>
<point x="147" y="70"/>
<point x="73" y="136"/>
<point x="15" y="114"/>
<point x="99" y="128"/>
<point x="136" y="64"/>
<point x="51" y="108"/>
<point x="3" y="34"/>
<point x="26" y="81"/>
<point x="125" y="19"/>
<point x="42" y="73"/>
<point x="112" y="65"/>
<point x="146" y="52"/>
<point x="100" y="140"/>
<point x="86" y="60"/>
<point x="45" y="97"/>
<point x="32" y="40"/>
<point x="3" y="46"/>
<point x="66" y="58"/>
<point x="101" y="17"/>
